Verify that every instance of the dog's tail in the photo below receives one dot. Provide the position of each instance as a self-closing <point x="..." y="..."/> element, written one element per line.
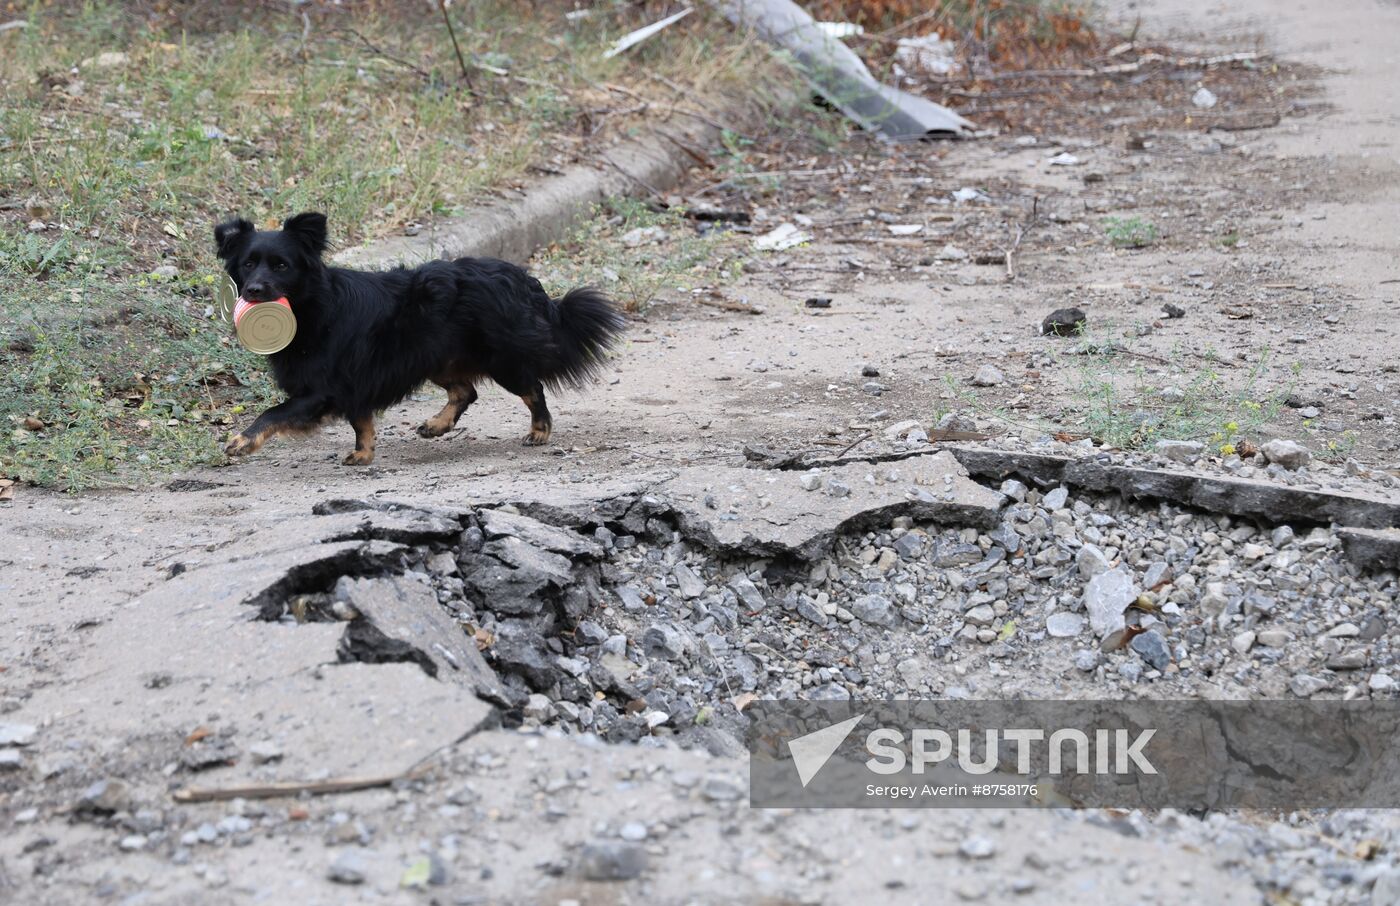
<point x="586" y="323"/>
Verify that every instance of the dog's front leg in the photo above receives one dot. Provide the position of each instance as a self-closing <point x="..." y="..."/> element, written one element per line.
<point x="302" y="413"/>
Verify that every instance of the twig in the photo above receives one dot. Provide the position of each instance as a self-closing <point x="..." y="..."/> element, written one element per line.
<point x="293" y="788"/>
<point x="379" y="51"/>
<point x="452" y="33"/>
<point x="728" y="305"/>
<point x="637" y="179"/>
<point x="17" y="23"/>
<point x="853" y="444"/>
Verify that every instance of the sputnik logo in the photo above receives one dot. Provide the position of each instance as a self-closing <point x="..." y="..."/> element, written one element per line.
<point x="810" y="753"/>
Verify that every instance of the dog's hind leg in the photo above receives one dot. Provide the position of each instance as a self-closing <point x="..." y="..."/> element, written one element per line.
<point x="460" y="395"/>
<point x="296" y="415"/>
<point x="364" y="441"/>
<point x="541" y="422"/>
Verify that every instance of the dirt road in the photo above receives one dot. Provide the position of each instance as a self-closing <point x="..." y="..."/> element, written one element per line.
<point x="1280" y="239"/>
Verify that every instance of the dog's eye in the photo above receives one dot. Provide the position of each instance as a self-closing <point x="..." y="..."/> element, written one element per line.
<point x="247" y="265"/>
<point x="279" y="266"/>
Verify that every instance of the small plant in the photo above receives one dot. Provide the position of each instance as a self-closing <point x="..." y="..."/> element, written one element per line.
<point x="1130" y="233"/>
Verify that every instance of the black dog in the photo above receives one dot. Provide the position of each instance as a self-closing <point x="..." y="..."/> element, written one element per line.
<point x="366" y="340"/>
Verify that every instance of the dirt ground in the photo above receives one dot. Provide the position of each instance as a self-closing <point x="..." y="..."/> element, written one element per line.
<point x="1278" y="243"/>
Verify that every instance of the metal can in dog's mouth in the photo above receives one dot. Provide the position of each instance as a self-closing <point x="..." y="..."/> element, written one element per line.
<point x="264" y="327"/>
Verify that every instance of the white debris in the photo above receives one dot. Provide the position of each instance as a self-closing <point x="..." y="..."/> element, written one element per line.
<point x="782" y="237"/>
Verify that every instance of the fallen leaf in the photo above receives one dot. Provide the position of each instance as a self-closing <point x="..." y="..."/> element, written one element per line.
<point x="171" y="228"/>
<point x="198" y="734"/>
<point x="743" y="700"/>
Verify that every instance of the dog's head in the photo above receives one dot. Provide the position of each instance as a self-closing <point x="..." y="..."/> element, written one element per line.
<point x="272" y="264"/>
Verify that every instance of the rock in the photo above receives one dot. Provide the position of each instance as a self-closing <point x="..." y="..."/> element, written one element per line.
<point x="105" y="797"/>
<point x="1351" y="659"/>
<point x="981" y="615"/>
<point x="830" y="692"/>
<point x="810" y="481"/>
<point x="612" y="860"/>
<point x="1204" y="98"/>
<point x="910" y="545"/>
<point x="1172" y="311"/>
<point x="1273" y="638"/>
<point x="1244" y="641"/>
<point x="1091" y="561"/>
<point x="690" y="585"/>
<point x="538" y="707"/>
<point x="1282" y="536"/>
<point x="1289" y="454"/>
<point x="1152" y="648"/>
<point x="874" y="609"/>
<point x="951" y="253"/>
<point x="1055" y="499"/>
<point x="1304" y="685"/>
<point x="900" y="429"/>
<point x="1379" y="682"/>
<point x="665" y="641"/>
<point x="633" y="832"/>
<point x="1063" y="322"/>
<point x="836" y="488"/>
<point x="1013" y="489"/>
<point x="810" y="611"/>
<point x="977" y="848"/>
<point x="1086" y="659"/>
<point x="1106" y="597"/>
<point x="868" y="370"/>
<point x="350" y="866"/>
<point x="11" y="760"/>
<point x="442" y="564"/>
<point x="950" y="554"/>
<point x="630" y="597"/>
<point x="748" y="593"/>
<point x="1064" y="625"/>
<point x="265" y="752"/>
<point x="166" y="272"/>
<point x="956" y="421"/>
<point x="643" y="236"/>
<point x="987" y="376"/>
<point x="1186" y="451"/>
<point x="17" y="734"/>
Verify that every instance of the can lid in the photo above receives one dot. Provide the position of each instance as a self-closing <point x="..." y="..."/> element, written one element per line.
<point x="267" y="327"/>
<point x="225" y="297"/>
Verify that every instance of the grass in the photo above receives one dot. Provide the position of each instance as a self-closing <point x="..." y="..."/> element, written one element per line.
<point x="1128" y="407"/>
<point x="125" y="133"/>
<point x="636" y="275"/>
<point x="1130" y="232"/>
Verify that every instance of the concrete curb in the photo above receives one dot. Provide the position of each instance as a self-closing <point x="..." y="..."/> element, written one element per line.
<point x="548" y="210"/>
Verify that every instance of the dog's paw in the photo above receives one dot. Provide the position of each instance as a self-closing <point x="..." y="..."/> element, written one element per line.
<point x="359" y="458"/>
<point x="535" y="439"/>
<point x="241" y="445"/>
<point x="427" y="429"/>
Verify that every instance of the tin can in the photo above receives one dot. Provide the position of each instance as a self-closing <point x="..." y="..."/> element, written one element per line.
<point x="264" y="327"/>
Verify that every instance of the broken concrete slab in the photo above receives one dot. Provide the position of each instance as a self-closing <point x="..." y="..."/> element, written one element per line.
<point x="407" y="612"/>
<point x="839" y="75"/>
<point x="756" y="512"/>
<point x="1374" y="549"/>
<point x="193" y="652"/>
<point x="500" y="523"/>
<point x="1262" y="500"/>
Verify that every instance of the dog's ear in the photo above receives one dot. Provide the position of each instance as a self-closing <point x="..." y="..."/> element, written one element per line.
<point x="229" y="234"/>
<point x="309" y="229"/>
